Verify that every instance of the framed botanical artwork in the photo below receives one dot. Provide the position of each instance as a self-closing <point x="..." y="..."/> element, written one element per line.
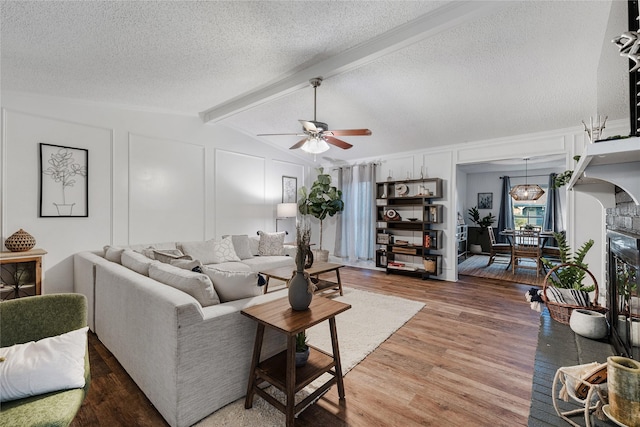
<point x="485" y="200"/>
<point x="64" y="178"/>
<point x="289" y="189"/>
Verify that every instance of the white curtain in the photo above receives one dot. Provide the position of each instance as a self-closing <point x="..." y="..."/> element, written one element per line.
<point x="355" y="228"/>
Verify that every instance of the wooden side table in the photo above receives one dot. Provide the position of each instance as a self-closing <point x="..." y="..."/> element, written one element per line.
<point x="280" y="370"/>
<point x="30" y="262"/>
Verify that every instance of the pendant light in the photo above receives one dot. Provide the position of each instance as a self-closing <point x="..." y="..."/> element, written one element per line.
<point x="526" y="191"/>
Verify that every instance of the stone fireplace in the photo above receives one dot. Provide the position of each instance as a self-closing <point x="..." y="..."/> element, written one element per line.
<point x="623" y="275"/>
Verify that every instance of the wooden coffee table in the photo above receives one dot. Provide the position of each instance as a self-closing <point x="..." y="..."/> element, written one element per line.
<point x="280" y="370"/>
<point x="285" y="273"/>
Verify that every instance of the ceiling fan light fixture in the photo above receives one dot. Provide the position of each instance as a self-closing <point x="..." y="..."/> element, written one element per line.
<point x="315" y="145"/>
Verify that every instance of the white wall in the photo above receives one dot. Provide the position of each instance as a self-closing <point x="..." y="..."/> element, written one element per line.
<point x="152" y="177"/>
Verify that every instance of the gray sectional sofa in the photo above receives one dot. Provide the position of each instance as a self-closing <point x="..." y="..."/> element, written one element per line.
<point x="189" y="354"/>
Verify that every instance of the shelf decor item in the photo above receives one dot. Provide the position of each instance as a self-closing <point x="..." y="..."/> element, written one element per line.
<point x="429" y="265"/>
<point x="623" y="377"/>
<point x="20" y="241"/>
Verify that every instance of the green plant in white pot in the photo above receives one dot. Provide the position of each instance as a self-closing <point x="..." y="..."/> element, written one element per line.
<point x="320" y="201"/>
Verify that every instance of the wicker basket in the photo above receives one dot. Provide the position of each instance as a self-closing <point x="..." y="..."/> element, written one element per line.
<point x="562" y="312"/>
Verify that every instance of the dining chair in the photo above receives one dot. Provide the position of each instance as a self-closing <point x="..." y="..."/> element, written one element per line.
<point x="498" y="251"/>
<point x="526" y="246"/>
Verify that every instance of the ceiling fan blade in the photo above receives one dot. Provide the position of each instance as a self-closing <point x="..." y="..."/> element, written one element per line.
<point x="349" y="132"/>
<point x="337" y="142"/>
<point x="309" y="126"/>
<point x="278" y="134"/>
<point x="298" y="144"/>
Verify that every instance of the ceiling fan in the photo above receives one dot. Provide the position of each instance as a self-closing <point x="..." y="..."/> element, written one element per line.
<point x="316" y="134"/>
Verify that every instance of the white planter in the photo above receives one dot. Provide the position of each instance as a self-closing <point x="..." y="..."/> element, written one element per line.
<point x="475" y="249"/>
<point x="589" y="324"/>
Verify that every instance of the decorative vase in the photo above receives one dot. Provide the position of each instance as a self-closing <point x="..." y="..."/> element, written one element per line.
<point x="589" y="324"/>
<point x="299" y="295"/>
<point x="623" y="378"/>
<point x="302" y="357"/>
<point x="20" y="241"/>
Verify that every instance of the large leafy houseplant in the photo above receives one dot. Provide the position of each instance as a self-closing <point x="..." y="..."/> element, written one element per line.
<point x="570" y="276"/>
<point x="484" y="222"/>
<point x="321" y="200"/>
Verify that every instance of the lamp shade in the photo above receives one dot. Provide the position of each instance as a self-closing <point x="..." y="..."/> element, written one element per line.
<point x="526" y="192"/>
<point x="286" y="210"/>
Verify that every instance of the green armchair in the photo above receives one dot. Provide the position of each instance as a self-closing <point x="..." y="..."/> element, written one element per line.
<point x="31" y="319"/>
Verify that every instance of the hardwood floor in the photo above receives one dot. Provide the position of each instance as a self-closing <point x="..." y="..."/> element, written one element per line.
<point x="466" y="359"/>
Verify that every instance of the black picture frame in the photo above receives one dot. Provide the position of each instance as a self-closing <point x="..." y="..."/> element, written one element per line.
<point x="64" y="181"/>
<point x="485" y="200"/>
<point x="289" y="189"/>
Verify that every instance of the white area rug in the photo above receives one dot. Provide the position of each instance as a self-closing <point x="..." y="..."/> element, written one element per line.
<point x="361" y="329"/>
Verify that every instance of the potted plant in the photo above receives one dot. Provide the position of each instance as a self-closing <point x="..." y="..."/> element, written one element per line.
<point x="302" y="349"/>
<point x="320" y="201"/>
<point x="571" y="275"/>
<point x="564" y="177"/>
<point x="484" y="222"/>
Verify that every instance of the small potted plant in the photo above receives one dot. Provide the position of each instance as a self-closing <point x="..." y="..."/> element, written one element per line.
<point x="302" y="349"/>
<point x="484" y="222"/>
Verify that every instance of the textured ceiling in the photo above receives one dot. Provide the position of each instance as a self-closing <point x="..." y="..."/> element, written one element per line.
<point x="507" y="68"/>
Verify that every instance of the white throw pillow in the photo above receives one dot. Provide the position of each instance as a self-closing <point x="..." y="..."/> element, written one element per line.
<point x="37" y="367"/>
<point x="202" y="251"/>
<point x="197" y="285"/>
<point x="234" y="285"/>
<point x="136" y="261"/>
<point x="271" y="243"/>
<point x="168" y="255"/>
<point x="113" y="253"/>
<point x="254" y="244"/>
<point x="223" y="250"/>
<point x="242" y="246"/>
<point x="568" y="296"/>
<point x="188" y="264"/>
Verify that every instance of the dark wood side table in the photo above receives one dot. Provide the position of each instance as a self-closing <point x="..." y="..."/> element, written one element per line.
<point x="280" y="370"/>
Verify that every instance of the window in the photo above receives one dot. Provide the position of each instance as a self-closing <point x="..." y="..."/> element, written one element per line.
<point x="530" y="212"/>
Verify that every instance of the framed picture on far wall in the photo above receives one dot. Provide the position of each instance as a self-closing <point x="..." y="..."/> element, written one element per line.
<point x="485" y="200"/>
<point x="64" y="189"/>
<point x="289" y="189"/>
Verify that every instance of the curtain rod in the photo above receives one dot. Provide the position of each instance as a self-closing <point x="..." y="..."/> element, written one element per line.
<point x="521" y="176"/>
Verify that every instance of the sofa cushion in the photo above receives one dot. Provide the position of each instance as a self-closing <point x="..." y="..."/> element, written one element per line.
<point x="167" y="255"/>
<point x="223" y="250"/>
<point x="202" y="251"/>
<point x="197" y="285"/>
<point x="46" y="365"/>
<point x="113" y="253"/>
<point x="232" y="266"/>
<point x="187" y="264"/>
<point x="254" y="245"/>
<point x="136" y="262"/>
<point x="271" y="243"/>
<point x="234" y="285"/>
<point x="263" y="263"/>
<point x="242" y="246"/>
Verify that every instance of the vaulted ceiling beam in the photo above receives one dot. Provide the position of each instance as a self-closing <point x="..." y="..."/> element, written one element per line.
<point x="448" y="16"/>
